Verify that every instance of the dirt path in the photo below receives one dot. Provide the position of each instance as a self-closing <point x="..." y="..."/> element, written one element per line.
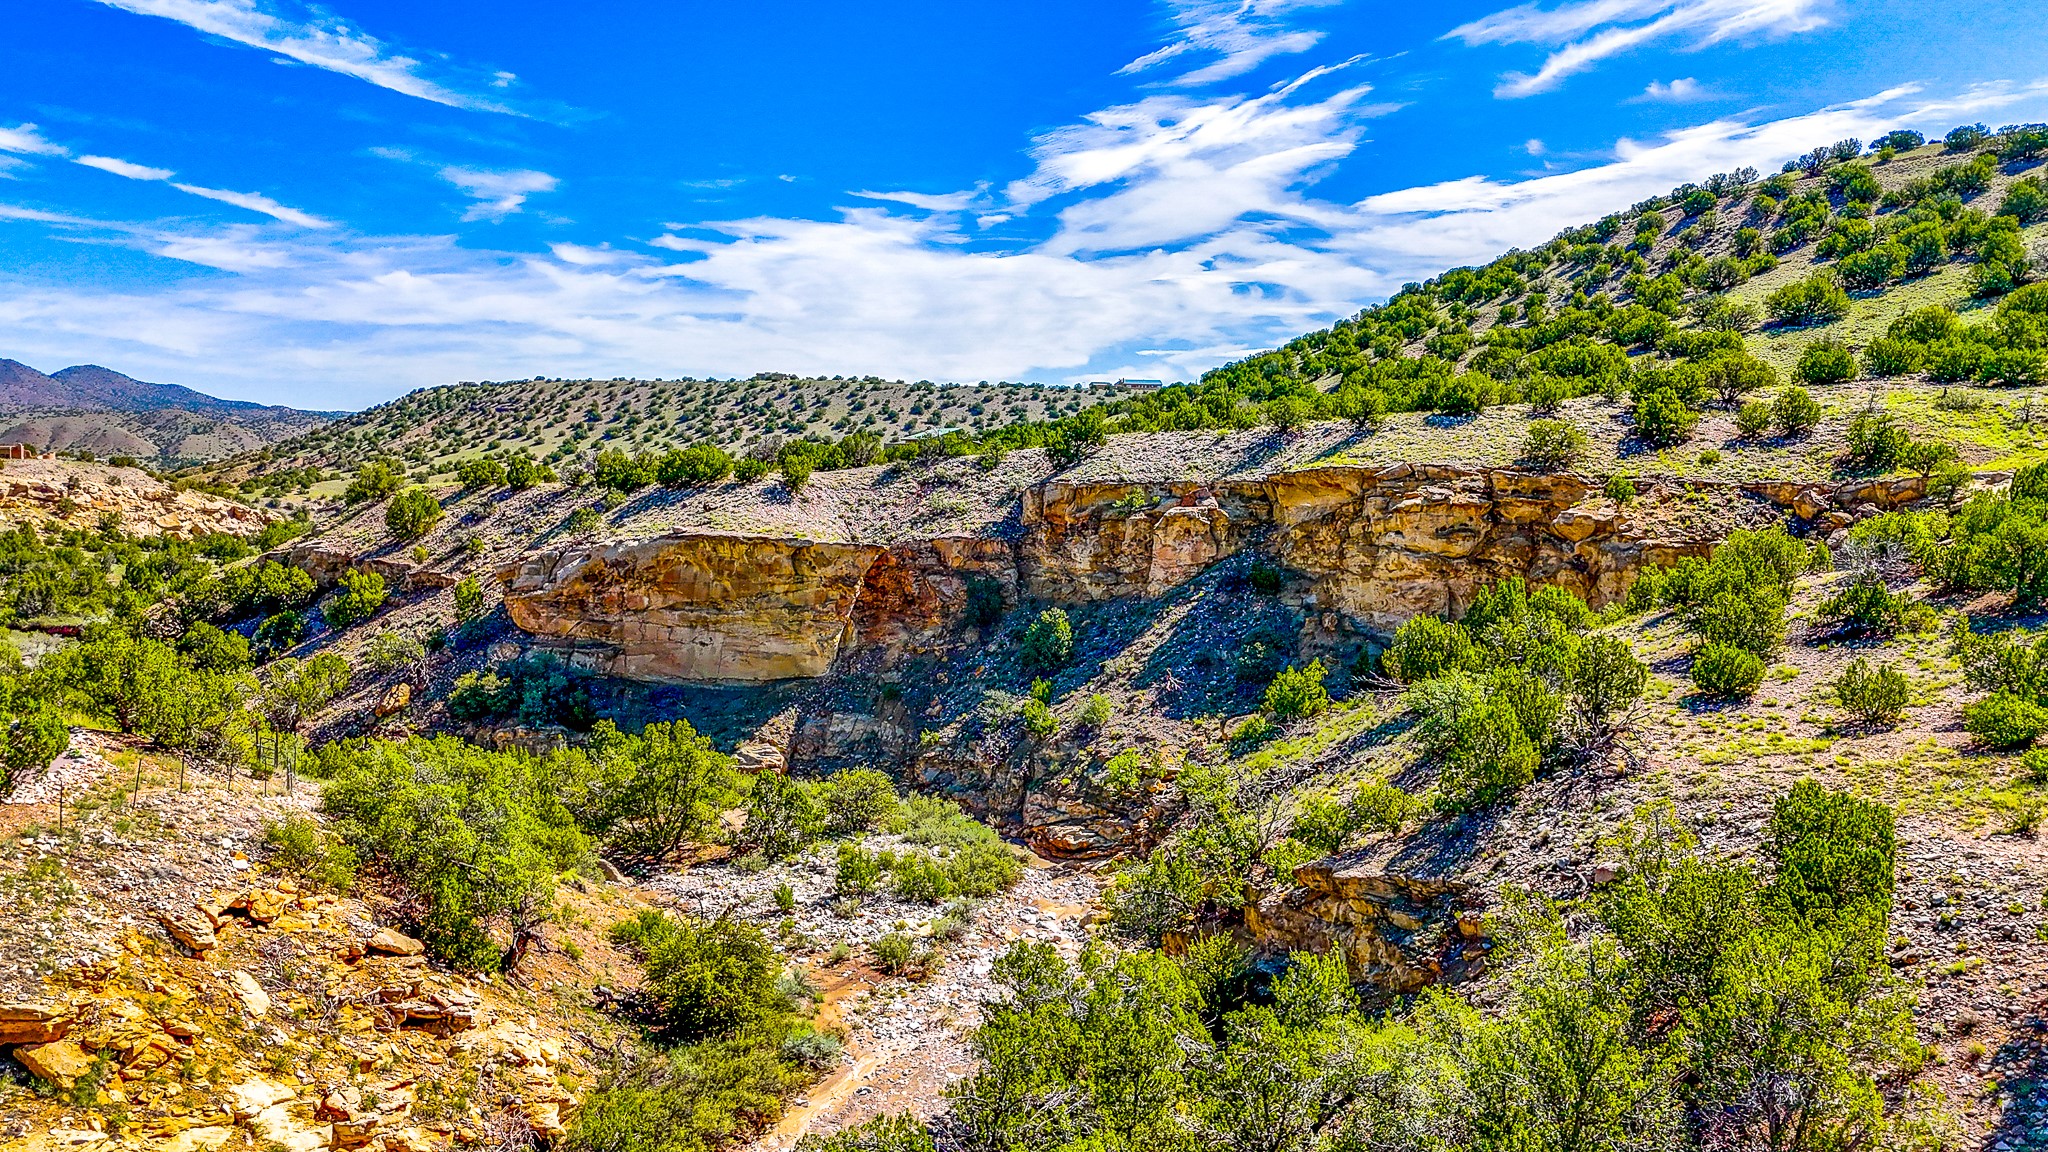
<point x="907" y="1040"/>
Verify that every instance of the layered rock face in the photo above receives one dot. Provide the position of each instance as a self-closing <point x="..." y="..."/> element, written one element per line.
<point x="1375" y="546"/>
<point x="1398" y="932"/>
<point x="81" y="495"/>
<point x="695" y="608"/>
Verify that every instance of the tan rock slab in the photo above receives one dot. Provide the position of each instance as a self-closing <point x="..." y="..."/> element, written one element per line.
<point x="255" y="1001"/>
<point x="61" y="1062"/>
<point x="33" y="1022"/>
<point x="392" y="942"/>
<point x="205" y="1139"/>
<point x="190" y="926"/>
<point x="394" y="699"/>
<point x="253" y="1096"/>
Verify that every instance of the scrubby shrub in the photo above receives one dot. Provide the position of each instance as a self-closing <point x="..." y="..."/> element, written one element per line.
<point x="1048" y="643"/>
<point x="537" y="689"/>
<point x="1873" y="266"/>
<point x="1382" y="808"/>
<point x="1875" y="694"/>
<point x="1888" y="357"/>
<point x="1751" y="618"/>
<point x="523" y="472"/>
<point x="1606" y="679"/>
<point x="480" y="472"/>
<point x="1620" y="489"/>
<point x="1795" y="412"/>
<point x="1726" y="671"/>
<point x="1038" y="718"/>
<point x="1546" y="394"/>
<point x="1426" y="647"/>
<point x="373" y="481"/>
<point x="1753" y="420"/>
<point x="1867" y="607"/>
<point x="893" y="953"/>
<point x="1097" y="711"/>
<point x="1490" y="757"/>
<point x="917" y="876"/>
<point x="1814" y="300"/>
<point x="1323" y="823"/>
<point x="1663" y="419"/>
<point x="2005" y="720"/>
<point x="983" y="866"/>
<point x="412" y="512"/>
<point x="1826" y="362"/>
<point x="299" y="845"/>
<point x="796" y="472"/>
<point x="1877" y="442"/>
<point x="1295" y="694"/>
<point x="782" y="817"/>
<point x="858" y="872"/>
<point x="857" y="799"/>
<point x="359" y="597"/>
<point x="1553" y="445"/>
<point x="1832" y="854"/>
<point x="470" y="836"/>
<point x="278" y="633"/>
<point x="704" y="977"/>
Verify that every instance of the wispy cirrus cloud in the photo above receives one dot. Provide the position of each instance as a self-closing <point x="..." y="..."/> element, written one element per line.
<point x="1584" y="33"/>
<point x="942" y="202"/>
<point x="310" y="36"/>
<point x="498" y="192"/>
<point x="130" y="170"/>
<point x="1235" y="36"/>
<point x="257" y="202"/>
<point x="127" y="168"/>
<point x="27" y="139"/>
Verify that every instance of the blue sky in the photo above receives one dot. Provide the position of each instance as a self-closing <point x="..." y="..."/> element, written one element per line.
<point x="327" y="206"/>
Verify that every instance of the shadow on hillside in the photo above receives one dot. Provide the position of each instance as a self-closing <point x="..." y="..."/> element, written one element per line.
<point x="725" y="714"/>
<point x="1444" y="847"/>
<point x="1255" y="454"/>
<point x="2022" y="1063"/>
<point x="1194" y="670"/>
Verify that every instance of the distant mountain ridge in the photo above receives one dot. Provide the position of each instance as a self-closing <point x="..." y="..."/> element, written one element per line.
<point x="89" y="387"/>
<point x="91" y="408"/>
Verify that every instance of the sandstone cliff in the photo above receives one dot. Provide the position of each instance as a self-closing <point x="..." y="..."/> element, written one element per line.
<point x="1373" y="546"/>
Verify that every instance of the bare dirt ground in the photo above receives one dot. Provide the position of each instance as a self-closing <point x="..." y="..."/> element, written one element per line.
<point x="906" y="1037"/>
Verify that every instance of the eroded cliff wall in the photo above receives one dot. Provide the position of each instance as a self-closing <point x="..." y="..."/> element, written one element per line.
<point x="1373" y="546"/>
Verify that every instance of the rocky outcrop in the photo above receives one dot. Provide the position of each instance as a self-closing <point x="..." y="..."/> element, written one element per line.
<point x="80" y="495"/>
<point x="698" y="607"/>
<point x="1399" y="932"/>
<point x="1376" y="546"/>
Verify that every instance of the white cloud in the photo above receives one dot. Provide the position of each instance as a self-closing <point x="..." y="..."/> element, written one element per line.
<point x="366" y="315"/>
<point x="27" y="139"/>
<point x="497" y="193"/>
<point x="1585" y="32"/>
<point x="1534" y="147"/>
<point x="585" y="256"/>
<point x="1240" y="35"/>
<point x="948" y="202"/>
<point x="317" y="38"/>
<point x="1177" y="168"/>
<point x="131" y="170"/>
<point x="257" y="202"/>
<point x="1684" y="90"/>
